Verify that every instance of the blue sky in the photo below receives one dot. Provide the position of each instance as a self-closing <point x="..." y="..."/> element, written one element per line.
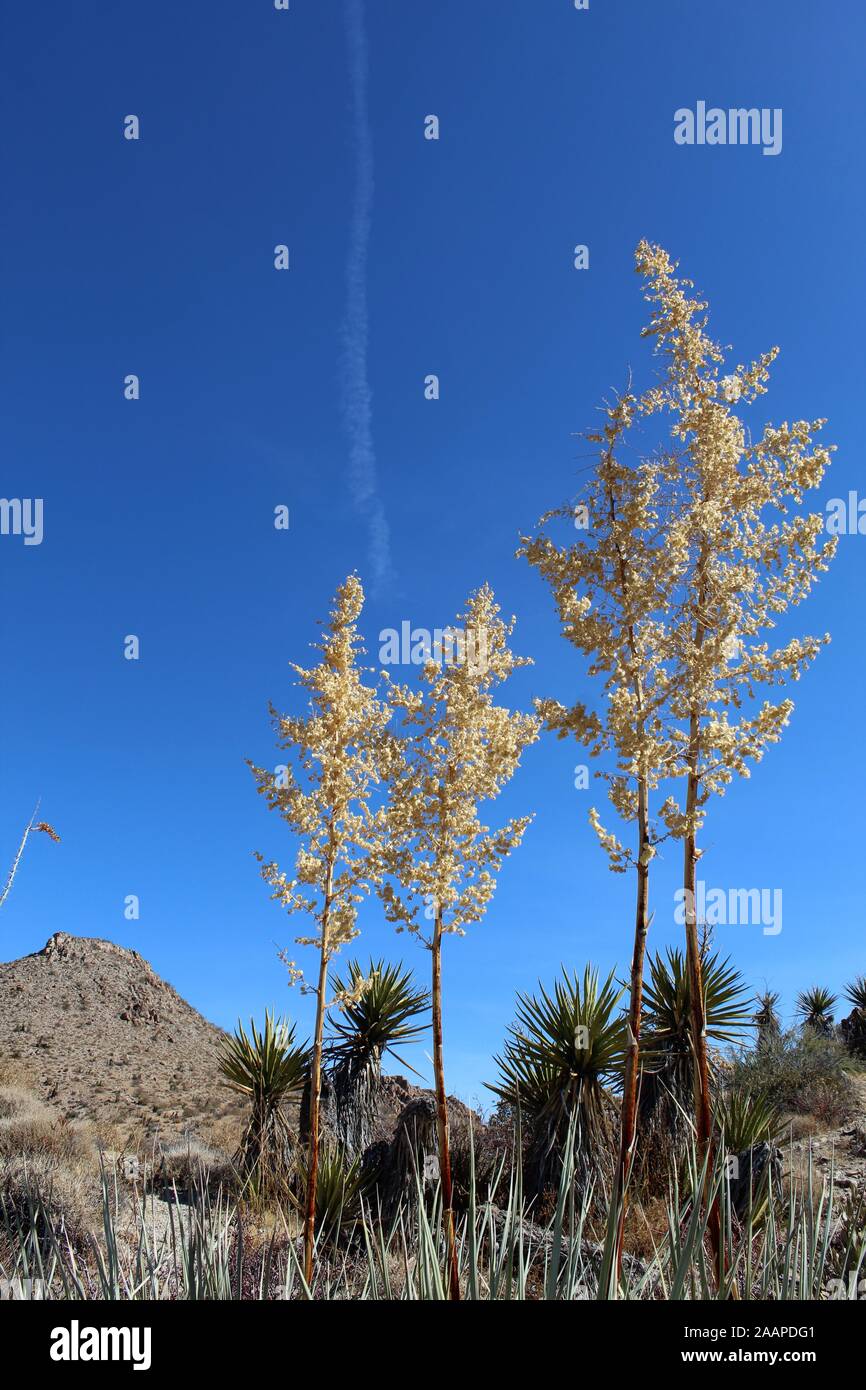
<point x="155" y="257"/>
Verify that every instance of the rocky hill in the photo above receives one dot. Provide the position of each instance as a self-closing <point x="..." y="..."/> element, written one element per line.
<point x="99" y="1035"/>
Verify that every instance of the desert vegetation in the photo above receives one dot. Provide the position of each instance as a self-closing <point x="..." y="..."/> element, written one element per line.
<point x="655" y="1133"/>
<point x="536" y="1211"/>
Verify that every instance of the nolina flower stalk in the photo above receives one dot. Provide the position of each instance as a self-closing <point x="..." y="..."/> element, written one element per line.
<point x="682" y="568"/>
<point x="613" y="587"/>
<point x="439" y="860"/>
<point x="325" y="800"/>
<point x="31" y="827"/>
<point x="746" y="556"/>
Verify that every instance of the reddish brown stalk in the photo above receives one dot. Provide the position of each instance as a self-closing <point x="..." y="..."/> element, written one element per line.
<point x="316" y="1092"/>
<point x="628" y="1130"/>
<point x="703" y="1104"/>
<point x="442" y="1117"/>
<point x="628" y="1118"/>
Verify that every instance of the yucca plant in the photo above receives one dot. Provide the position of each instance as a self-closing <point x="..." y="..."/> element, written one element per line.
<point x="749" y="1127"/>
<point x="744" y="1119"/>
<point x="856" y="992"/>
<point x="340" y="1189"/>
<point x="766" y="1019"/>
<point x="815" y="1009"/>
<point x="455" y="750"/>
<point x="323" y="793"/>
<point x="379" y="1009"/>
<point x="669" y="1073"/>
<point x="853" y="1028"/>
<point x="268" y="1067"/>
<point x="557" y="1057"/>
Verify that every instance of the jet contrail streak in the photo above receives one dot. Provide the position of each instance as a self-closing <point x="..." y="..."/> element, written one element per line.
<point x="357" y="406"/>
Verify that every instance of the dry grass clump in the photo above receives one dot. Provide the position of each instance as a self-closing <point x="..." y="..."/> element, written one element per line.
<point x="41" y="1151"/>
<point x="17" y="1073"/>
<point x="28" y="1127"/>
<point x="190" y="1162"/>
<point x="224" y="1130"/>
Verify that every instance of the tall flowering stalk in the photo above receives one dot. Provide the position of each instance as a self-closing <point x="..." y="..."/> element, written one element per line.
<point x="31" y="827"/>
<point x="457" y="749"/>
<point x="613" y="586"/>
<point x="746" y="556"/>
<point x="325" y="800"/>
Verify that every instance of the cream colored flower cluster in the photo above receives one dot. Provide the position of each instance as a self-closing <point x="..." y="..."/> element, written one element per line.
<point x="384" y="792"/>
<point x="690" y="553"/>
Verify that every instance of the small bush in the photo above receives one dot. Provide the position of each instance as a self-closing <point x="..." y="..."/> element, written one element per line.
<point x="800" y="1073"/>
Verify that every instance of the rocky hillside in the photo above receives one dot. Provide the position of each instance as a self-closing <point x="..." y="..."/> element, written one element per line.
<point x="99" y="1035"/>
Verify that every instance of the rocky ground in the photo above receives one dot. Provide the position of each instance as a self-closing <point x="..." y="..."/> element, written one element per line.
<point x="842" y="1150"/>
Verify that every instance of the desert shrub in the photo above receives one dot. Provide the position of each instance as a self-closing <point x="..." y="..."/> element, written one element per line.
<point x="38" y="1194"/>
<point x="221" y="1131"/>
<point x="48" y="1170"/>
<point x="801" y="1072"/>
<point x="485" y="1149"/>
<point x="16" y="1100"/>
<point x="190" y="1163"/>
<point x="17" y="1072"/>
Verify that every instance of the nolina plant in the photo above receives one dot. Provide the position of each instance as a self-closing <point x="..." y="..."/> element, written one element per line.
<point x="745" y="555"/>
<point x="613" y="585"/>
<point x="458" y="749"/>
<point x="324" y="800"/>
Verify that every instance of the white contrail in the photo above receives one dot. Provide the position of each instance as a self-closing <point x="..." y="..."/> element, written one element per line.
<point x="357" y="397"/>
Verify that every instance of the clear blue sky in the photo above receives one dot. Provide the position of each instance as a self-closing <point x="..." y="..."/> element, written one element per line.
<point x="155" y="257"/>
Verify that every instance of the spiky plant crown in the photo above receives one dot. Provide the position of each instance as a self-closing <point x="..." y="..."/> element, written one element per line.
<point x="267" y="1066"/>
<point x="767" y="1002"/>
<point x="561" y="1042"/>
<point x="855" y="993"/>
<point x="745" y="1119"/>
<point x="667" y="1003"/>
<point x="383" y="1003"/>
<point x="340" y="1188"/>
<point x="815" y="1007"/>
<point x="557" y="1056"/>
<point x="766" y="1018"/>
